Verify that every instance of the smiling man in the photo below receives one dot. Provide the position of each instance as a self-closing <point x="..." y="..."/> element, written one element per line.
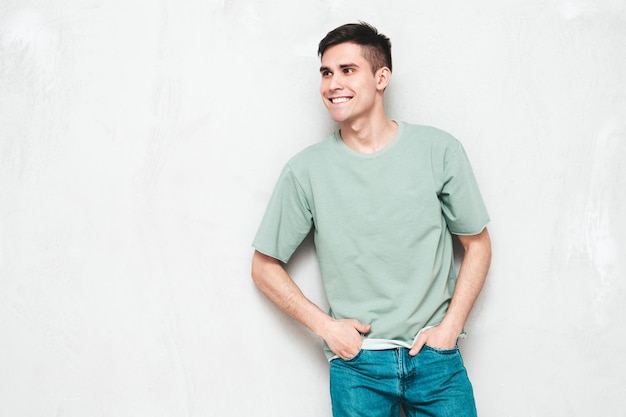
<point x="384" y="198"/>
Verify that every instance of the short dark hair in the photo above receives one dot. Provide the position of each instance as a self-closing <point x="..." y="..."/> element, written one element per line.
<point x="376" y="46"/>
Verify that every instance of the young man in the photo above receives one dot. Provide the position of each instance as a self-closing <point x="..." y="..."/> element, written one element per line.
<point x="383" y="198"/>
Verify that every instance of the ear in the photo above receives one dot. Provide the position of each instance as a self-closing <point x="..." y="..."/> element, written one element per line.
<point x="383" y="76"/>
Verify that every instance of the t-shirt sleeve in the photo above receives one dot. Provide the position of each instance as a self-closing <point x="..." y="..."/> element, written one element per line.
<point x="287" y="220"/>
<point x="461" y="202"/>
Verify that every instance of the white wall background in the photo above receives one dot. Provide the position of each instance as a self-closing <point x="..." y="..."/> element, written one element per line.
<point x="139" y="143"/>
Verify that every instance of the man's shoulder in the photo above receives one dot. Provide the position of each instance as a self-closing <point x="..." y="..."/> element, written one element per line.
<point x="314" y="153"/>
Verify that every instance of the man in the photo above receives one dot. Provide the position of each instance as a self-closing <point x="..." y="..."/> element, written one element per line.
<point x="383" y="198"/>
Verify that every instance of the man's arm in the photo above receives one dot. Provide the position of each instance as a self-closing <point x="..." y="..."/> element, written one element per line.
<point x="342" y="336"/>
<point x="472" y="275"/>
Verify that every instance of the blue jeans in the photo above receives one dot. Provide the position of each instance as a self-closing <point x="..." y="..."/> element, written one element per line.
<point x="377" y="383"/>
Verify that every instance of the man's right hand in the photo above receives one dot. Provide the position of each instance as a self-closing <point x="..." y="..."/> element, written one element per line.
<point x="345" y="337"/>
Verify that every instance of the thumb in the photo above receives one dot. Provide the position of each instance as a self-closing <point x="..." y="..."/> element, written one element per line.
<point x="362" y="328"/>
<point x="415" y="349"/>
<point x="418" y="345"/>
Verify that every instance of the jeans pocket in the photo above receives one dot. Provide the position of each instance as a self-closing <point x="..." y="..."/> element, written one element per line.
<point x="442" y="351"/>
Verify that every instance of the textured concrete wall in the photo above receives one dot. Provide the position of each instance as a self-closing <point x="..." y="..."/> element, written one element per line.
<point x="139" y="143"/>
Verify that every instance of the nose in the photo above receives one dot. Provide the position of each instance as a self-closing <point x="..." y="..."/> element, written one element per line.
<point x="335" y="82"/>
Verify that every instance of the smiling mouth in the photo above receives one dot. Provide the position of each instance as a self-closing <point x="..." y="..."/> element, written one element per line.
<point x="339" y="100"/>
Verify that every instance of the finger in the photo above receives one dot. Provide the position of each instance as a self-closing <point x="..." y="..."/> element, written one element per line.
<point x="350" y="356"/>
<point x="415" y="349"/>
<point x="417" y="346"/>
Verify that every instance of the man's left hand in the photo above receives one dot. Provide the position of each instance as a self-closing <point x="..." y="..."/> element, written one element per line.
<point x="436" y="337"/>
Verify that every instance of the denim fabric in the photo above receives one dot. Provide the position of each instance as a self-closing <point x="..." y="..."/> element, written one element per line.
<point x="377" y="383"/>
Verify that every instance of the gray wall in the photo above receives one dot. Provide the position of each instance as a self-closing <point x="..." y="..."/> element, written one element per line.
<point x="140" y="141"/>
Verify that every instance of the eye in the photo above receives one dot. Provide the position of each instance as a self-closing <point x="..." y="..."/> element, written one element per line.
<point x="348" y="70"/>
<point x="326" y="73"/>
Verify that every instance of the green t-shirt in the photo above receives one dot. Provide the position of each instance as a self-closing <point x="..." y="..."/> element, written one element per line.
<point x="382" y="224"/>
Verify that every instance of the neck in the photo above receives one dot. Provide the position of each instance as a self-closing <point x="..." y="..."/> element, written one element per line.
<point x="369" y="136"/>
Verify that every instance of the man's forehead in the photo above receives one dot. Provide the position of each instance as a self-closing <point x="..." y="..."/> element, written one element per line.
<point x="343" y="53"/>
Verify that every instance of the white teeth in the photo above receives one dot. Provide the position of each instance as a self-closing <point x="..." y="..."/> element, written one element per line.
<point x="339" y="100"/>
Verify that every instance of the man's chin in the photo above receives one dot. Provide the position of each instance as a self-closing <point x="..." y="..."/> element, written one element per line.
<point x="338" y="118"/>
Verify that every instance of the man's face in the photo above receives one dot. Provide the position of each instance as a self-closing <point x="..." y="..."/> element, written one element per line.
<point x="348" y="87"/>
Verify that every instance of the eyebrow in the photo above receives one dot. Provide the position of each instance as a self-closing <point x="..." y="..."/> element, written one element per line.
<point x="342" y="66"/>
